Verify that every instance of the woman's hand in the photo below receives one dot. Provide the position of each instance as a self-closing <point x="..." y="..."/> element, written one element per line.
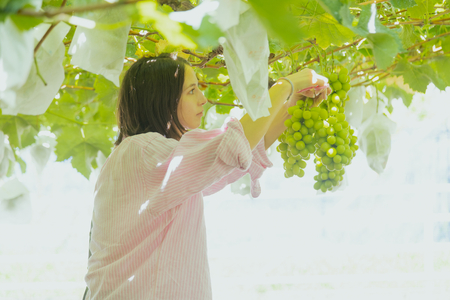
<point x="307" y="79"/>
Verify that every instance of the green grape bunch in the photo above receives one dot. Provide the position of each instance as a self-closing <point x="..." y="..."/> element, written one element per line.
<point x="320" y="131"/>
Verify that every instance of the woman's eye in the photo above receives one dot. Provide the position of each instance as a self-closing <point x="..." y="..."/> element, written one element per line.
<point x="191" y="91"/>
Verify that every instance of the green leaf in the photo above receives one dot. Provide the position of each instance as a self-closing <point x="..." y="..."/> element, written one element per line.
<point x="206" y="36"/>
<point x="327" y="31"/>
<point x="83" y="146"/>
<point x="408" y="36"/>
<point x="384" y="49"/>
<point x="333" y="7"/>
<point x="107" y="91"/>
<point x="21" y="129"/>
<point x="271" y="12"/>
<point x="25" y="22"/>
<point x="441" y="66"/>
<point x="445" y="43"/>
<point x="171" y="29"/>
<point x="423" y="8"/>
<point x="403" y="3"/>
<point x="395" y="92"/>
<point x="417" y="77"/>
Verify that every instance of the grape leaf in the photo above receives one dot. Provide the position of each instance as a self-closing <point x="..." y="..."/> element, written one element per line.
<point x="21" y="129"/>
<point x="408" y="36"/>
<point x="395" y="92"/>
<point x="327" y="31"/>
<point x="417" y="77"/>
<point x="25" y="22"/>
<point x="107" y="91"/>
<point x="227" y="97"/>
<point x="441" y="65"/>
<point x="403" y="3"/>
<point x="333" y="7"/>
<point x="445" y="43"/>
<point x="271" y="12"/>
<point x="384" y="49"/>
<point x="423" y="8"/>
<point x="82" y="144"/>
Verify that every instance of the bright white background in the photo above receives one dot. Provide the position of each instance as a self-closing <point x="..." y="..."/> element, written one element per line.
<point x="384" y="237"/>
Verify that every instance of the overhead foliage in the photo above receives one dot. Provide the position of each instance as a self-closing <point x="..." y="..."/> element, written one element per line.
<point x="377" y="41"/>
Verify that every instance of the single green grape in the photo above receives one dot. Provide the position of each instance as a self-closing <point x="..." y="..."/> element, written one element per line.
<point x="331" y="152"/>
<point x="304" y="130"/>
<point x="330" y="131"/>
<point x="304" y="153"/>
<point x="342" y="94"/>
<point x="307" y="139"/>
<point x="331" y="175"/>
<point x="318" y="125"/>
<point x="291" y="160"/>
<point x="327" y="160"/>
<point x="301" y="164"/>
<point x="334" y="77"/>
<point x="337" y="86"/>
<point x="288" y="123"/>
<point x="345" y="160"/>
<point x="351" y="131"/>
<point x="324" y="176"/>
<point x="294" y="119"/>
<point x="337" y="127"/>
<point x="309" y="102"/>
<point x="291" y="141"/>
<point x="297" y="136"/>
<point x="283" y="146"/>
<point x="353" y="140"/>
<point x="311" y="148"/>
<point x="337" y="159"/>
<point x="311" y="130"/>
<point x="301" y="173"/>
<point x="300" y="103"/>
<point x="344" y="124"/>
<point x="323" y="188"/>
<point x="338" y="166"/>
<point x="298" y="113"/>
<point x="325" y="146"/>
<point x="323" y="114"/>
<point x="296" y="126"/>
<point x="309" y="123"/>
<point x="306" y="115"/>
<point x="335" y="98"/>
<point x="342" y="172"/>
<point x="332" y="120"/>
<point x="347" y="141"/>
<point x="346" y="86"/>
<point x="322" y="132"/>
<point x="296" y="169"/>
<point x="317" y="185"/>
<point x="343" y="134"/>
<point x="331" y="139"/>
<point x="340" y="117"/>
<point x="348" y="153"/>
<point x="300" y="145"/>
<point x="320" y="153"/>
<point x="294" y="151"/>
<point x="334" y="111"/>
<point x="288" y="173"/>
<point x="328" y="184"/>
<point x="343" y="78"/>
<point x="314" y="115"/>
<point x="330" y="166"/>
<point x="340" y="149"/>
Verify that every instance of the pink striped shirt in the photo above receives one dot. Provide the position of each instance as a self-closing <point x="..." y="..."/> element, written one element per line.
<point x="148" y="238"/>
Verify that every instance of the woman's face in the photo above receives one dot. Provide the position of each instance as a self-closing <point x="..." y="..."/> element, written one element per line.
<point x="190" y="108"/>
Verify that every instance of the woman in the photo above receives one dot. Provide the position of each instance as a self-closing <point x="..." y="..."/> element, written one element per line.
<point x="148" y="237"/>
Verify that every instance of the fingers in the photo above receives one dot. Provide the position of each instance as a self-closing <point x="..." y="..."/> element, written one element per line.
<point x="318" y="79"/>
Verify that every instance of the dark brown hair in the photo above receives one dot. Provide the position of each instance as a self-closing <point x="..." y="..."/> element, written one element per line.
<point x="149" y="96"/>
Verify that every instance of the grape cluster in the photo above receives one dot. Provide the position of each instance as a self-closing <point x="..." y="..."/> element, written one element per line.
<point x="322" y="131"/>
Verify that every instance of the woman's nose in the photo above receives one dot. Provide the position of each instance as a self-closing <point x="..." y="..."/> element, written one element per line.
<point x="204" y="100"/>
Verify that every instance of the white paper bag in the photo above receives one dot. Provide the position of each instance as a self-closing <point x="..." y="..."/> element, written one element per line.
<point x="102" y="51"/>
<point x="33" y="98"/>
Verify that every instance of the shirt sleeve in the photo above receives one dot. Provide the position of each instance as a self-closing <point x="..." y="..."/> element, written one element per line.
<point x="199" y="159"/>
<point x="260" y="162"/>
